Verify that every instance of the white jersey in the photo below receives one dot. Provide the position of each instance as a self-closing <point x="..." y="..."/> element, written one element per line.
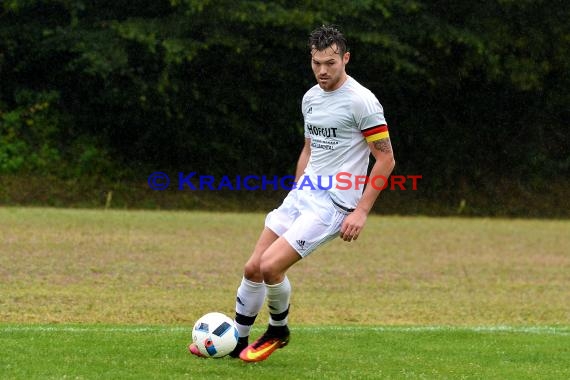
<point x="335" y="121"/>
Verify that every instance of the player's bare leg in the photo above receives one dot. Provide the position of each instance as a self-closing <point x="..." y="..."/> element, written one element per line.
<point x="275" y="262"/>
<point x="252" y="268"/>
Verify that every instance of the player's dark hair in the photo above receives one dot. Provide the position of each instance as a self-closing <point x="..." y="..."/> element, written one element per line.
<point x="325" y="36"/>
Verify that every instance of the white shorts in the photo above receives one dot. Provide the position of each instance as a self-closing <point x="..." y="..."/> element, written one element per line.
<point x="306" y="219"/>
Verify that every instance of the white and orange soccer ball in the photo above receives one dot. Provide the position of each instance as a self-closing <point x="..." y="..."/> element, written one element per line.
<point x="215" y="334"/>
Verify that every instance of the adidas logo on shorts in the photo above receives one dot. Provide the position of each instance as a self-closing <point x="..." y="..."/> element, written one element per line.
<point x="301" y="244"/>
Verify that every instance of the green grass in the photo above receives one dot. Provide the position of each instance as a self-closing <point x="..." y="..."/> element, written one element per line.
<point x="113" y="294"/>
<point x="159" y="352"/>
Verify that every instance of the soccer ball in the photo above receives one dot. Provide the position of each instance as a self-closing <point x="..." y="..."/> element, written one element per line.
<point x="215" y="334"/>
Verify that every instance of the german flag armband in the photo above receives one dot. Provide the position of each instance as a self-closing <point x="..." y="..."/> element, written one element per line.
<point x="380" y="132"/>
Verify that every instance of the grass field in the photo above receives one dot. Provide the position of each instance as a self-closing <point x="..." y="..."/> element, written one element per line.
<point x="113" y="294"/>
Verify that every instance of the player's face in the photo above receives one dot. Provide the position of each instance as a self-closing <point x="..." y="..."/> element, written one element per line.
<point x="329" y="67"/>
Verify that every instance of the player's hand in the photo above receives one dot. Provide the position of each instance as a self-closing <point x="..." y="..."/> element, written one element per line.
<point x="353" y="225"/>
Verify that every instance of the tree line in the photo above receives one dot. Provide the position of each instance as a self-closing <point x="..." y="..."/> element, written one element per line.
<point x="475" y="92"/>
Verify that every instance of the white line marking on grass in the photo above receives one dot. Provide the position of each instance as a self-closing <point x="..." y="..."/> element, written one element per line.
<point x="92" y="328"/>
<point x="544" y="330"/>
<point x="484" y="329"/>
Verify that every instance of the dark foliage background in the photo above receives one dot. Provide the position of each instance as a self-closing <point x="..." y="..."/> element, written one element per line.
<point x="475" y="92"/>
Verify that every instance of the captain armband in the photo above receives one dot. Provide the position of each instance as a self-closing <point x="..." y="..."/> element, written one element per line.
<point x="379" y="132"/>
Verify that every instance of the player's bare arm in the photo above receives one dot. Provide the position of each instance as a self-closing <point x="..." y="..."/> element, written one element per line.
<point x="354" y="223"/>
<point x="383" y="145"/>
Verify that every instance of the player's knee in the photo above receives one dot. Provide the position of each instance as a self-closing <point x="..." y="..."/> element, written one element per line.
<point x="269" y="272"/>
<point x="252" y="271"/>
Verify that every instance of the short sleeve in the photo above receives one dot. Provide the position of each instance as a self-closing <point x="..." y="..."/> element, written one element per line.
<point x="368" y="112"/>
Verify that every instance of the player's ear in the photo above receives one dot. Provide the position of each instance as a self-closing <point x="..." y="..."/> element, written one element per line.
<point x="346" y="57"/>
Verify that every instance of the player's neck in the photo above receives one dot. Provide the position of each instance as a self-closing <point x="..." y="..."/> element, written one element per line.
<point x="340" y="83"/>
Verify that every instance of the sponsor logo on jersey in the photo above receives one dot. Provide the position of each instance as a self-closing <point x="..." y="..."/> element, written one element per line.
<point x="323" y="132"/>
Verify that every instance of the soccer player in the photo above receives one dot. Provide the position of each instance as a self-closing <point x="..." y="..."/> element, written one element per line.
<point x="344" y="123"/>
